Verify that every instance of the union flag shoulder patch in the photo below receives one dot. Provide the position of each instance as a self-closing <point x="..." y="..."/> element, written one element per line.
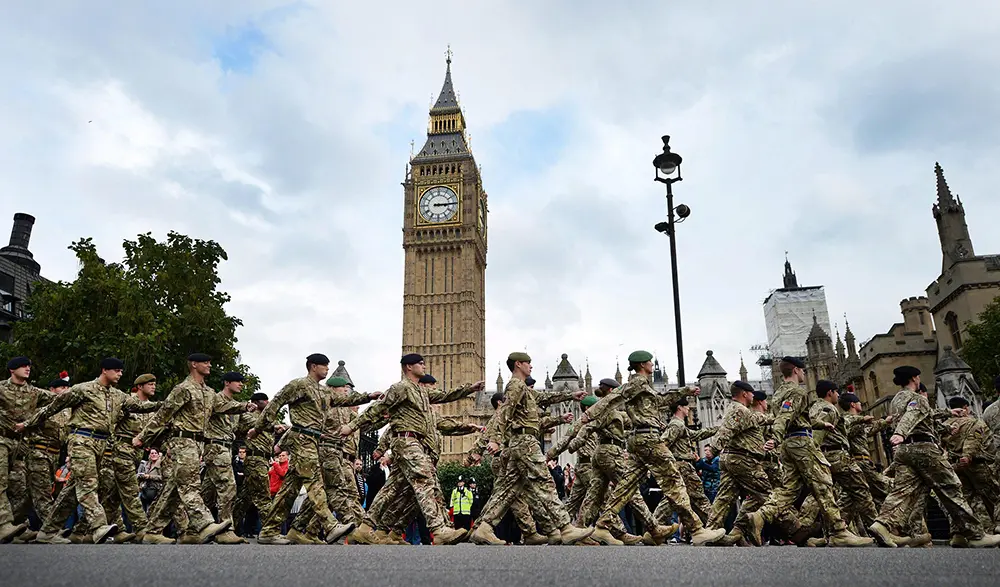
<point x="786" y="405"/>
<point x="912" y="404"/>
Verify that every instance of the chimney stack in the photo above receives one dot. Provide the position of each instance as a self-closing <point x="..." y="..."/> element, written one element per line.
<point x="20" y="235"/>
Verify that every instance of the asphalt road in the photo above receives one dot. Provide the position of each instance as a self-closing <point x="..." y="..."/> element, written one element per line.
<point x="505" y="566"/>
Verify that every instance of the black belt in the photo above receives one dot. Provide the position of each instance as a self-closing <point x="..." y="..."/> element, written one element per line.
<point x="197" y="436"/>
<point x="743" y="453"/>
<point x="10" y="435"/>
<point x="49" y="448"/>
<point x="528" y="431"/>
<point x="89" y="433"/>
<point x="258" y="453"/>
<point x="612" y="441"/>
<point x="307" y="431"/>
<point x="582" y="460"/>
<point x="799" y="433"/>
<point x="647" y="430"/>
<point x="225" y="443"/>
<point x="919" y="438"/>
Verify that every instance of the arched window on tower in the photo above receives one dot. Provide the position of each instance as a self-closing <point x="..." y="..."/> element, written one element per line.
<point x="956" y="332"/>
<point x="719" y="403"/>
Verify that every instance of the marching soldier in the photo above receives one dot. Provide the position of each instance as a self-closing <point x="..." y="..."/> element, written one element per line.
<point x="260" y="449"/>
<point x="219" y="481"/>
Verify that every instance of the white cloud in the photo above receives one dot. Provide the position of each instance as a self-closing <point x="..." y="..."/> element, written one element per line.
<point x="804" y="128"/>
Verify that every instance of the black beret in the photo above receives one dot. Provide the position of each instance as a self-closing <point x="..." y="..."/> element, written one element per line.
<point x="530" y="381"/>
<point x="199" y="358"/>
<point x="233" y="376"/>
<point x="850" y="398"/>
<point x="318" y="359"/>
<point x="18" y="362"/>
<point x="743" y="385"/>
<point x="759" y="396"/>
<point x="112" y="363"/>
<point x="824" y="386"/>
<point x="958" y="402"/>
<point x="258" y="397"/>
<point x="411" y="359"/>
<point x="609" y="383"/>
<point x="794" y="361"/>
<point x="906" y="371"/>
<point x="428" y="378"/>
<point x="681" y="402"/>
<point x="58" y="383"/>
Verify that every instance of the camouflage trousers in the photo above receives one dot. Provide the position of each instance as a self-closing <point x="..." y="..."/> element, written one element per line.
<point x="607" y="469"/>
<point x="380" y="510"/>
<point x="11" y="483"/>
<point x="525" y="475"/>
<point x="920" y="467"/>
<point x="772" y="468"/>
<point x="648" y="454"/>
<point x="341" y="493"/>
<point x="182" y="491"/>
<point x="119" y="486"/>
<point x="41" y="466"/>
<point x="417" y="469"/>
<point x="303" y="470"/>
<point x="696" y="494"/>
<point x="398" y="512"/>
<point x="741" y="476"/>
<point x="584" y="471"/>
<point x="218" y="484"/>
<point x="522" y="514"/>
<point x="85" y="457"/>
<point x="979" y="483"/>
<point x="254" y="491"/>
<point x="878" y="483"/>
<point x="160" y="515"/>
<point x="803" y="467"/>
<point x="851" y="489"/>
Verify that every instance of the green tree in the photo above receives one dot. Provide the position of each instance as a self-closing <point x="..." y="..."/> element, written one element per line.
<point x="981" y="349"/>
<point x="448" y="474"/>
<point x="157" y="306"/>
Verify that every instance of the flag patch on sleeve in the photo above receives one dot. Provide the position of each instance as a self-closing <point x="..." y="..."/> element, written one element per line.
<point x="786" y="405"/>
<point x="912" y="404"/>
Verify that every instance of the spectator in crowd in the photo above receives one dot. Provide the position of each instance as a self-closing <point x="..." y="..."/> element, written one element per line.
<point x="461" y="505"/>
<point x="478" y="500"/>
<point x="279" y="469"/>
<point x="359" y="480"/>
<point x="559" y="478"/>
<point x="708" y="467"/>
<point x="150" y="479"/>
<point x="241" y="456"/>
<point x="376" y="478"/>
<point x="570" y="475"/>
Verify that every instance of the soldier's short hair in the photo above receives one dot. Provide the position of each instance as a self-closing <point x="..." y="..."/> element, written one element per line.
<point x="496" y="399"/>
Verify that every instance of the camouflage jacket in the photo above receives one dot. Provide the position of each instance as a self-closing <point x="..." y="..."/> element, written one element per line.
<point x="680" y="439"/>
<point x="409" y="407"/>
<point x="188" y="408"/>
<point x="991" y="416"/>
<point x="585" y="447"/>
<point x="790" y="406"/>
<point x="225" y="418"/>
<point x="521" y="409"/>
<point x="913" y="414"/>
<point x="742" y="429"/>
<point x="308" y="401"/>
<point x="859" y="432"/>
<point x="971" y="438"/>
<point x="263" y="443"/>
<point x="94" y="407"/>
<point x="132" y="423"/>
<point x="823" y="412"/>
<point x="18" y="403"/>
<point x="639" y="400"/>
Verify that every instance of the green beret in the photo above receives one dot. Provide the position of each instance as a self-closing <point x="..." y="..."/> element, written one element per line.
<point x="519" y="357"/>
<point x="640" y="357"/>
<point x="337" y="382"/>
<point x="144" y="379"/>
<point x="588" y="401"/>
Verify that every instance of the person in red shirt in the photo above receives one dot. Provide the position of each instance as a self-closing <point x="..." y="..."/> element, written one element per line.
<point x="278" y="471"/>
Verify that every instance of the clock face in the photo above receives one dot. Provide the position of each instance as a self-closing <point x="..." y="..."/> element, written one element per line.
<point x="439" y="204"/>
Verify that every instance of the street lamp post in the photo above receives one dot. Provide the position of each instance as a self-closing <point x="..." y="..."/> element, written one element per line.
<point x="668" y="171"/>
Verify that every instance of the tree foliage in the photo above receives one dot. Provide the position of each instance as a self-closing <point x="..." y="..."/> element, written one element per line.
<point x="152" y="310"/>
<point x="448" y="476"/>
<point x="981" y="349"/>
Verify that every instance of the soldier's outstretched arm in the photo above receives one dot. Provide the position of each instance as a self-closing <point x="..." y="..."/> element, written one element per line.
<point x="178" y="396"/>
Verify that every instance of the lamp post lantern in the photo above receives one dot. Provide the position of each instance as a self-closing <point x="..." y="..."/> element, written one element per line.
<point x="668" y="171"/>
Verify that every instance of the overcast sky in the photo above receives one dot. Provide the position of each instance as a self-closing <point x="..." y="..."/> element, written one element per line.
<point x="282" y="131"/>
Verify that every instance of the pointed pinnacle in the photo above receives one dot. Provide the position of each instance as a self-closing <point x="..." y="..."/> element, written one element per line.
<point x="943" y="191"/>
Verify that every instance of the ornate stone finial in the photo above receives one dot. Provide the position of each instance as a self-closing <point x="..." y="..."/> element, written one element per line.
<point x="708" y="353"/>
<point x="341" y="363"/>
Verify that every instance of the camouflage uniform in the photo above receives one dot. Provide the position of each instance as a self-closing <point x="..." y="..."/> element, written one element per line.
<point x="96" y="410"/>
<point x="803" y="464"/>
<point x="609" y="466"/>
<point x="921" y="464"/>
<point x="584" y="468"/>
<point x="973" y="440"/>
<point x="680" y="441"/>
<point x="187" y="411"/>
<point x="218" y="484"/>
<point x="858" y="433"/>
<point x="498" y="463"/>
<point x="308" y="401"/>
<point x="740" y="445"/>
<point x="17" y="404"/>
<point x="647" y="452"/>
<point x="119" y="485"/>
<point x="255" y="489"/>
<point x="163" y="510"/>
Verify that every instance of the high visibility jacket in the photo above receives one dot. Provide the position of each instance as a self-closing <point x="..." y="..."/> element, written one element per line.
<point x="461" y="501"/>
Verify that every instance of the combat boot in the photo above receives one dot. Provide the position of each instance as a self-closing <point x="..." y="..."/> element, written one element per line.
<point x="987" y="541"/>
<point x="212" y="530"/>
<point x="883" y="536"/>
<point x="588" y="542"/>
<point x="80" y="538"/>
<point x="706" y="537"/>
<point x="124" y="537"/>
<point x="604" y="537"/>
<point x="10" y="531"/>
<point x="630" y="539"/>
<point x="570" y="534"/>
<point x="338" y="531"/>
<point x="54" y="538"/>
<point x="535" y="539"/>
<point x="484" y="535"/>
<point x="365" y="534"/>
<point x="102" y="534"/>
<point x="846" y="538"/>
<point x="754" y="525"/>
<point x="189" y="538"/>
<point x="447" y="536"/>
<point x="660" y="533"/>
<point x="815" y="542"/>
<point x="919" y="540"/>
<point x="156" y="538"/>
<point x="959" y="541"/>
<point x="228" y="537"/>
<point x="555" y="538"/>
<point x="734" y="537"/>
<point x="275" y="540"/>
<point x="396" y="537"/>
<point x="26" y="537"/>
<point x="296" y="537"/>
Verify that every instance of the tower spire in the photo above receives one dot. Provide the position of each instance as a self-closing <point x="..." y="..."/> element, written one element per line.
<point x="789" y="279"/>
<point x="943" y="191"/>
<point x="953" y="231"/>
<point x="852" y="351"/>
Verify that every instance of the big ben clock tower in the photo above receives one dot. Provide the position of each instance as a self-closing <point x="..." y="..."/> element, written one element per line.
<point x="444" y="239"/>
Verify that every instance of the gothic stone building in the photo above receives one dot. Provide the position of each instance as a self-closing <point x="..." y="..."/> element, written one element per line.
<point x="18" y="273"/>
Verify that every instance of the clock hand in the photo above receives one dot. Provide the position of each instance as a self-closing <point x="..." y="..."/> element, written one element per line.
<point x="439" y="204"/>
